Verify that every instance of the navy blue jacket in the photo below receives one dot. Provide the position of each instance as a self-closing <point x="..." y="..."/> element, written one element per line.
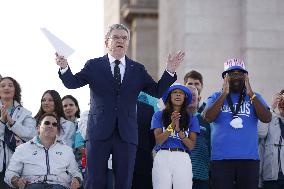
<point x="110" y="103"/>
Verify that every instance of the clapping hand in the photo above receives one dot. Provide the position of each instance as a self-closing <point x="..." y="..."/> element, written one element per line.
<point x="175" y="120"/>
<point x="74" y="183"/>
<point x="21" y="183"/>
<point x="5" y="116"/>
<point x="4" y="113"/>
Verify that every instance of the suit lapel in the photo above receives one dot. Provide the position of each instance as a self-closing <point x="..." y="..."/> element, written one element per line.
<point x="128" y="72"/>
<point x="107" y="69"/>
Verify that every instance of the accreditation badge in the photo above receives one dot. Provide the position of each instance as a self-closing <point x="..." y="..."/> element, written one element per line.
<point x="237" y="122"/>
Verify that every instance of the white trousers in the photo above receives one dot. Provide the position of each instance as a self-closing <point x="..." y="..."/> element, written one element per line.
<point x="172" y="169"/>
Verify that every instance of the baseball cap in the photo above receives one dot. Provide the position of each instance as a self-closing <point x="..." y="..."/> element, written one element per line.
<point x="186" y="91"/>
<point x="234" y="64"/>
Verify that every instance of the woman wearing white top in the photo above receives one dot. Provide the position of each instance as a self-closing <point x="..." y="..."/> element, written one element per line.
<point x="16" y="123"/>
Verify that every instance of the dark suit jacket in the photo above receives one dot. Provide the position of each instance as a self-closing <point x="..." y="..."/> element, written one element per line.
<point x="146" y="139"/>
<point x="108" y="102"/>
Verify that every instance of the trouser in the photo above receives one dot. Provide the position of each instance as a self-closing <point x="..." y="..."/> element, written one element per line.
<point x="172" y="169"/>
<point x="245" y="174"/>
<point x="110" y="183"/>
<point x="3" y="185"/>
<point x="273" y="184"/>
<point x="123" y="160"/>
<point x="142" y="181"/>
<point x="200" y="184"/>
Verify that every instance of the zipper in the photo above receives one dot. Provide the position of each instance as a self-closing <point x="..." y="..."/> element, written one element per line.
<point x="47" y="165"/>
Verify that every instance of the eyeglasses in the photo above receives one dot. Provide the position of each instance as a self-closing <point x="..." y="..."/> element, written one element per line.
<point x="116" y="37"/>
<point x="54" y="124"/>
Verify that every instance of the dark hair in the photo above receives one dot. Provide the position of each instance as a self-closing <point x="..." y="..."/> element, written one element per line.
<point x="52" y="115"/>
<point x="167" y="112"/>
<point x="282" y="92"/>
<point x="194" y="75"/>
<point x="77" y="114"/>
<point x="18" y="90"/>
<point x="58" y="108"/>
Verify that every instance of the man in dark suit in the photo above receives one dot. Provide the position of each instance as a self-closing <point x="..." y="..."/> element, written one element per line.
<point x="115" y="82"/>
<point x="142" y="176"/>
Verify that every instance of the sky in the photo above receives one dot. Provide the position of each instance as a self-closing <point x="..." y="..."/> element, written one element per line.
<point x="26" y="54"/>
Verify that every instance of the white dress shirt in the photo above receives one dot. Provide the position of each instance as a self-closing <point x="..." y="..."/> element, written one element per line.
<point x="121" y="65"/>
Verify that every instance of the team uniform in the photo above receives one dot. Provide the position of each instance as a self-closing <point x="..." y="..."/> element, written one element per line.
<point x="172" y="164"/>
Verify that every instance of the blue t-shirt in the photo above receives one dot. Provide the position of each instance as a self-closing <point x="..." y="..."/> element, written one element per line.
<point x="174" y="140"/>
<point x="228" y="142"/>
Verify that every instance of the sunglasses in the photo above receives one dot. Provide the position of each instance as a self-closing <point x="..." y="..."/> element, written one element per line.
<point x="235" y="74"/>
<point x="54" y="124"/>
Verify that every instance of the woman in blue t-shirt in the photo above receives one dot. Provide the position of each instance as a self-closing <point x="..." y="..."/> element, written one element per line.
<point x="175" y="132"/>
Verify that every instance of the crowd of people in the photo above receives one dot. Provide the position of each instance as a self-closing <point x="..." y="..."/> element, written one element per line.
<point x="232" y="140"/>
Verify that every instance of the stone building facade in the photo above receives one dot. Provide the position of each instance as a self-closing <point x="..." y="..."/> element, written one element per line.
<point x="210" y="32"/>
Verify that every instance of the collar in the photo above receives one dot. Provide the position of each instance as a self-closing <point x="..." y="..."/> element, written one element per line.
<point x="36" y="140"/>
<point x="112" y="59"/>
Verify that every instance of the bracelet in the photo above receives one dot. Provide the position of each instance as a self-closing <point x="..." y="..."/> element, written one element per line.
<point x="252" y="98"/>
<point x="170" y="128"/>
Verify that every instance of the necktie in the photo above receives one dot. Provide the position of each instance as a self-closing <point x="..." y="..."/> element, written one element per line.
<point x="116" y="73"/>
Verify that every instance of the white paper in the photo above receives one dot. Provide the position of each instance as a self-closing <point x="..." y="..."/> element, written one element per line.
<point x="60" y="47"/>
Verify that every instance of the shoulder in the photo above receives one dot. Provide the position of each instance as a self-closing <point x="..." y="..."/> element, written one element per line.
<point x="157" y="120"/>
<point x="261" y="99"/>
<point x="22" y="110"/>
<point x="25" y="146"/>
<point x="65" y="122"/>
<point x="64" y="147"/>
<point x="212" y="98"/>
<point x="96" y="61"/>
<point x="215" y="94"/>
<point x="134" y="63"/>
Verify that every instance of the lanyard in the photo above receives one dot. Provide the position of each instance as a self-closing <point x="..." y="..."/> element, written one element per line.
<point x="240" y="102"/>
